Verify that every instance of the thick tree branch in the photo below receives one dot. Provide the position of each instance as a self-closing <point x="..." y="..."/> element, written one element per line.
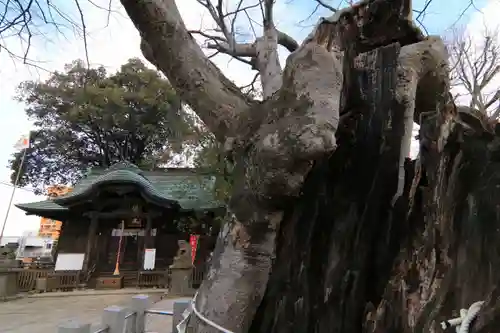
<point x="167" y="44"/>
<point x="268" y="14"/>
<point x="267" y="59"/>
<point x="268" y="63"/>
<point x="287" y="41"/>
<point x="244" y="49"/>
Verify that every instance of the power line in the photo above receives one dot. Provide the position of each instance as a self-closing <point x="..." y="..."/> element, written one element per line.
<point x="5" y="183"/>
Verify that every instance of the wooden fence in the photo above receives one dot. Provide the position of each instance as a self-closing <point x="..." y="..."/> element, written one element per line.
<point x="197" y="276"/>
<point x="27" y="279"/>
<point x="152" y="279"/>
<point x="132" y="319"/>
<point x="162" y="279"/>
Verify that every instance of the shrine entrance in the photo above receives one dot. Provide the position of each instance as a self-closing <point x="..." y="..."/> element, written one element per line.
<point x="131" y="248"/>
<point x="128" y="244"/>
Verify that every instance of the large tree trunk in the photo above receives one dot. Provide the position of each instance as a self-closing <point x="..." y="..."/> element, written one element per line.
<point x="349" y="262"/>
<point x="331" y="228"/>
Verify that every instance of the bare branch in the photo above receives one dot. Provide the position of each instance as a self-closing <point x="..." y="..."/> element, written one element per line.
<point x="219" y="18"/>
<point x="84" y="30"/>
<point x="327" y="6"/>
<point x="208" y="36"/>
<point x="238" y="50"/>
<point x="242" y="9"/>
<point x="29" y="20"/>
<point x="475" y="66"/>
<point x="251" y="88"/>
<point x="233" y="21"/>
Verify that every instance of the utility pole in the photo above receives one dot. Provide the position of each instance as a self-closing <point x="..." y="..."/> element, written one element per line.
<point x="24" y="144"/>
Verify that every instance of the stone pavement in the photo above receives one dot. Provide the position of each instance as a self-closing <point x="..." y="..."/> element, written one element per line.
<point x="43" y="314"/>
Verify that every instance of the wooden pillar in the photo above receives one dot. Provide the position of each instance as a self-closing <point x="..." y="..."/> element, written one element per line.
<point x="148" y="239"/>
<point x="140" y="251"/>
<point x="58" y="241"/>
<point x="147" y="232"/>
<point x="94" y="218"/>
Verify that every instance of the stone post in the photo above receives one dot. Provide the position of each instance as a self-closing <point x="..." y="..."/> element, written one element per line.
<point x="114" y="318"/>
<point x="8" y="284"/>
<point x="179" y="308"/>
<point x="180" y="279"/>
<point x="140" y="303"/>
<point x="73" y="326"/>
<point x="181" y="271"/>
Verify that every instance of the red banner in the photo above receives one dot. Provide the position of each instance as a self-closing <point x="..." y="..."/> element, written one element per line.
<point x="193" y="241"/>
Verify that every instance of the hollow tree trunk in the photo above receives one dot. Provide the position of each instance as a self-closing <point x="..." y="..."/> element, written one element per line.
<point x="330" y="228"/>
<point x="349" y="262"/>
<point x="362" y="211"/>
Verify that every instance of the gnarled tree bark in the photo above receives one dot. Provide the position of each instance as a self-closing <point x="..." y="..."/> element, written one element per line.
<point x="331" y="228"/>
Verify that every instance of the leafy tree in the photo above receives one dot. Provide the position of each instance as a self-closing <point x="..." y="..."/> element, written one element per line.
<point x="87" y="118"/>
<point x="210" y="157"/>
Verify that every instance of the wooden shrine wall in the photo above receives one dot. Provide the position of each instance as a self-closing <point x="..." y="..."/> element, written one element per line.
<point x="73" y="238"/>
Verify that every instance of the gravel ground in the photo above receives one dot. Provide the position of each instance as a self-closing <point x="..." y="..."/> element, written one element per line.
<point x="42" y="315"/>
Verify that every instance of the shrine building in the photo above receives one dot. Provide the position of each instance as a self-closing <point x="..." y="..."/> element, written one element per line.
<point x="113" y="215"/>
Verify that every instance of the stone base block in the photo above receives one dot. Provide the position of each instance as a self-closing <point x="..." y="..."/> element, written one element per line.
<point x="8" y="284"/>
<point x="180" y="282"/>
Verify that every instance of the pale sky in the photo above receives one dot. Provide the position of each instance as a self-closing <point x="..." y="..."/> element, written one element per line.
<point x="112" y="45"/>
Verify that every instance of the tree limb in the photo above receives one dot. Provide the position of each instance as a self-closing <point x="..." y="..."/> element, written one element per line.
<point x="287" y="41"/>
<point x="167" y="44"/>
<point x="327" y="6"/>
<point x="244" y="49"/>
<point x="268" y="14"/>
<point x="237" y="50"/>
<point x="263" y="51"/>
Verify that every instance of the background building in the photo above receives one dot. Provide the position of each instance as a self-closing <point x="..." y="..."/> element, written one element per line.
<point x="49" y="227"/>
<point x="31" y="246"/>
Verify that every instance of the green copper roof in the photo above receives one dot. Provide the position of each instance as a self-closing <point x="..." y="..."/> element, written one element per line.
<point x="181" y="188"/>
<point x="46" y="208"/>
<point x="121" y="174"/>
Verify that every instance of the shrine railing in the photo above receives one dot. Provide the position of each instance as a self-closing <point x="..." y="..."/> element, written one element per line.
<point x="150" y="279"/>
<point x="47" y="279"/>
<point x="162" y="279"/>
<point x="197" y="276"/>
<point x="63" y="280"/>
<point x="26" y="278"/>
